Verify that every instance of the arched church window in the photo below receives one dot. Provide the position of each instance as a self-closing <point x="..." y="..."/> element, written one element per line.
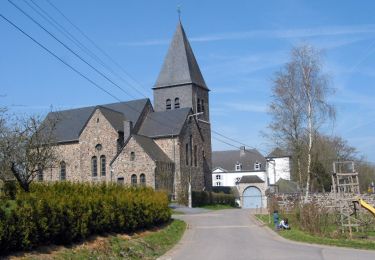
<point x="94" y="166"/>
<point x="134" y="180"/>
<point x="62" y="171"/>
<point x="202" y="105"/>
<point x="142" y="179"/>
<point x="176" y="103"/>
<point x="168" y="104"/>
<point x="102" y="165"/>
<point x="198" y="105"/>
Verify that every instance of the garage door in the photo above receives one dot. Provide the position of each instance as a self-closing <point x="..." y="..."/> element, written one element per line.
<point x="251" y="198"/>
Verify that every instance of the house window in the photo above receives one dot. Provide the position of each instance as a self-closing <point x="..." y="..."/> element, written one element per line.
<point x="257" y="166"/>
<point x="198" y="105"/>
<point x="40" y="173"/>
<point x="102" y="165"/>
<point x="218" y="177"/>
<point x="218" y="183"/>
<point x="62" y="171"/>
<point x="142" y="179"/>
<point x="120" y="180"/>
<point x="132" y="156"/>
<point x="176" y="102"/>
<point x="134" y="180"/>
<point x="187" y="154"/>
<point x="238" y="167"/>
<point x="168" y="104"/>
<point x="237" y="180"/>
<point x="195" y="156"/>
<point x="94" y="166"/>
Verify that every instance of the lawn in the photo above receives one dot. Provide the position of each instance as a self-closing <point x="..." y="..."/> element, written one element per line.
<point x="143" y="245"/>
<point x="301" y="236"/>
<point x="217" y="207"/>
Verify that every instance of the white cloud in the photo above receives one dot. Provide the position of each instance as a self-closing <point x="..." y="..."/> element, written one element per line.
<point x="278" y="33"/>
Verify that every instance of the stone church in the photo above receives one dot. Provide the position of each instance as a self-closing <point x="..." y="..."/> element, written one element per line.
<point x="164" y="145"/>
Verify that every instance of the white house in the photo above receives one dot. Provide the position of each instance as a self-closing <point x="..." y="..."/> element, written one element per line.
<point x="278" y="166"/>
<point x="244" y="169"/>
<point x="250" y="172"/>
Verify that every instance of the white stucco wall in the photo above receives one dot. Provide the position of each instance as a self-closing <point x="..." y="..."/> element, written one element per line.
<point x="228" y="179"/>
<point x="279" y="168"/>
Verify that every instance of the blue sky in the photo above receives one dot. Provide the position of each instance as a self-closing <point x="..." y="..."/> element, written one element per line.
<point x="239" y="46"/>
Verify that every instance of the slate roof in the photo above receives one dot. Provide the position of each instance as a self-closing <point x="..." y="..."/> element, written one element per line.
<point x="164" y="123"/>
<point x="180" y="66"/>
<point x="277" y="153"/>
<point x="71" y="122"/>
<point x="251" y="179"/>
<point x="228" y="159"/>
<point x="152" y="149"/>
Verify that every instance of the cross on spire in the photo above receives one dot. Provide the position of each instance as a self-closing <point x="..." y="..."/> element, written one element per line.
<point x="179" y="12"/>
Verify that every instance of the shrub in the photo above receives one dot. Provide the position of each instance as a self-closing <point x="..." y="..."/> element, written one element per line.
<point x="64" y="212"/>
<point x="203" y="198"/>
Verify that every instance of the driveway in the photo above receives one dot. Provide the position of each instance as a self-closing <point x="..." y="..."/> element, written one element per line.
<point x="236" y="234"/>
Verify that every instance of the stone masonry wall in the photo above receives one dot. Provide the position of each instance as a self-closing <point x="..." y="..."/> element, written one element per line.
<point x="124" y="167"/>
<point x="97" y="131"/>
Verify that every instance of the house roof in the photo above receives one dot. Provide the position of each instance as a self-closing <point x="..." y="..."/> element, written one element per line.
<point x="164" y="123"/>
<point x="180" y="66"/>
<point x="277" y="153"/>
<point x="228" y="159"/>
<point x="152" y="149"/>
<point x="251" y="179"/>
<point x="70" y="123"/>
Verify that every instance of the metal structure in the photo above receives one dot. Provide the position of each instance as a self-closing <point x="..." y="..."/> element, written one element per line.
<point x="345" y="187"/>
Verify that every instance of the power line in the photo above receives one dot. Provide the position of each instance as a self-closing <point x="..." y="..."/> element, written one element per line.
<point x="68" y="48"/>
<point x="78" y="43"/>
<point x="96" y="45"/>
<point x="91" y="81"/>
<point x="57" y="57"/>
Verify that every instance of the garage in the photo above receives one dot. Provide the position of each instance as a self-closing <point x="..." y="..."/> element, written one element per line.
<point x="252" y="198"/>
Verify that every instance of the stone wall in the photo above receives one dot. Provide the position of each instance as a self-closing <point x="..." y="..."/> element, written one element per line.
<point x="97" y="131"/>
<point x="124" y="166"/>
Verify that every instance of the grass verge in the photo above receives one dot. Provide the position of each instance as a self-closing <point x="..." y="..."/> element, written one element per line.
<point x="301" y="236"/>
<point x="146" y="245"/>
<point x="217" y="207"/>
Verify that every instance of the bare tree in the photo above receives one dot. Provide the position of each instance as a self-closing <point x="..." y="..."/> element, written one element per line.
<point x="29" y="149"/>
<point x="300" y="106"/>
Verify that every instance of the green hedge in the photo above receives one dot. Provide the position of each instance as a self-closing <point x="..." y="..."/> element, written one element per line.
<point x="204" y="198"/>
<point x="64" y="212"/>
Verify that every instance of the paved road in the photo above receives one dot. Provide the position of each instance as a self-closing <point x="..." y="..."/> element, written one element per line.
<point x="236" y="234"/>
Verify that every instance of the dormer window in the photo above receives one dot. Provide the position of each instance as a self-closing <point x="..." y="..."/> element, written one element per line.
<point x="257" y="166"/>
<point x="238" y="167"/>
<point x="176" y="103"/>
<point x="168" y="104"/>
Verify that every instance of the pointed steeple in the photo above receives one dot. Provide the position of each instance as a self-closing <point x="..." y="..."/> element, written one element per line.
<point x="180" y="66"/>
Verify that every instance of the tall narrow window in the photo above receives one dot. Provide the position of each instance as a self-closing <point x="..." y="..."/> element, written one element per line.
<point x="195" y="156"/>
<point x="176" y="102"/>
<point x="168" y="104"/>
<point x="134" y="180"/>
<point x="94" y="166"/>
<point x="62" y="171"/>
<point x="198" y="105"/>
<point x="142" y="179"/>
<point x="191" y="150"/>
<point x="102" y="165"/>
<point x="202" y="105"/>
<point x="132" y="156"/>
<point x="40" y="173"/>
<point x="187" y="154"/>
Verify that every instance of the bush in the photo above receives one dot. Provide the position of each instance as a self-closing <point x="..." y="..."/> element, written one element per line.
<point x="204" y="198"/>
<point x="64" y="212"/>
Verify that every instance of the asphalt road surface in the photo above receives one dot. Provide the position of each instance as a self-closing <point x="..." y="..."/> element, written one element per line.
<point x="236" y="234"/>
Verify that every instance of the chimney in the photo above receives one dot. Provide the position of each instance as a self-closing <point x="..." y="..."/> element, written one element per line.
<point x="242" y="152"/>
<point x="128" y="129"/>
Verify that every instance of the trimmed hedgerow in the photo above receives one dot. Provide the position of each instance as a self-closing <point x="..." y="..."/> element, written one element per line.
<point x="64" y="212"/>
<point x="205" y="198"/>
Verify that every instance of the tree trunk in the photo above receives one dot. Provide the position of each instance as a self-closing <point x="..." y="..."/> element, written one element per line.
<point x="309" y="147"/>
<point x="24" y="184"/>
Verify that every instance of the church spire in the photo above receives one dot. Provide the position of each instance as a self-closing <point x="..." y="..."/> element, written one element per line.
<point x="180" y="66"/>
